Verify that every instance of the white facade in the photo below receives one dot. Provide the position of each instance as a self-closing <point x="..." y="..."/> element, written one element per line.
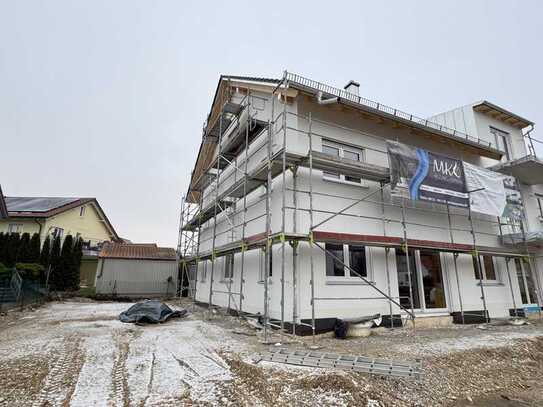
<point x="136" y="277"/>
<point x="354" y="132"/>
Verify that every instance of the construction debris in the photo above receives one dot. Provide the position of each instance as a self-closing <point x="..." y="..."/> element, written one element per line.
<point x="350" y="363"/>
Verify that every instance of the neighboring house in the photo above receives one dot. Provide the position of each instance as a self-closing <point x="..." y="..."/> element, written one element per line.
<point x="329" y="214"/>
<point x="3" y="208"/>
<point x="80" y="217"/>
<point x="136" y="270"/>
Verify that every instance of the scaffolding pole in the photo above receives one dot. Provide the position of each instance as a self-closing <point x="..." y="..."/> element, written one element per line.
<point x="408" y="263"/>
<point x="455" y="260"/>
<point x="217" y="179"/>
<point x="311" y="239"/>
<point x="268" y="233"/>
<point x="477" y="261"/>
<point x="294" y="245"/>
<point x="283" y="203"/>
<point x="387" y="251"/>
<point x="244" y="221"/>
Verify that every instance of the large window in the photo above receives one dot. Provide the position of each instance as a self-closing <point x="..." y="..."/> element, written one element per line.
<point x="424" y="273"/>
<point x="526" y="284"/>
<point x="342" y="151"/>
<point x="501" y="138"/>
<point x="353" y="256"/>
<point x="488" y="268"/>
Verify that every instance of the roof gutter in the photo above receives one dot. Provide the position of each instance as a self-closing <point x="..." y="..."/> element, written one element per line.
<point x="322" y="101"/>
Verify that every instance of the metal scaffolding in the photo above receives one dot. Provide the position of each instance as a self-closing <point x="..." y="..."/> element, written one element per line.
<point x="221" y="204"/>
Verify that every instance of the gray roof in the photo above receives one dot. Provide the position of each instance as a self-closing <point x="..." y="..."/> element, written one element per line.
<point x="36" y="204"/>
<point x="251" y="78"/>
<point x="3" y="209"/>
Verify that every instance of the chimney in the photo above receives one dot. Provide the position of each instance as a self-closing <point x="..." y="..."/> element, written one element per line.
<point x="352" y="87"/>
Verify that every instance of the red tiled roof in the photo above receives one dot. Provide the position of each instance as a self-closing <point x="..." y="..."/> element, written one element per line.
<point x="136" y="251"/>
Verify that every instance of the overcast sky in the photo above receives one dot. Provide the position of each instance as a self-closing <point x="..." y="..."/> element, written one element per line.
<point x="106" y="99"/>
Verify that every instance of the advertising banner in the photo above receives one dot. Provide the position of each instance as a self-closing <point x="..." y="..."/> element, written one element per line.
<point x="487" y="190"/>
<point x="418" y="174"/>
<point x="422" y="175"/>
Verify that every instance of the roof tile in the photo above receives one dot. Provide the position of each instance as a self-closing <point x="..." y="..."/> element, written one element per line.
<point x="139" y="251"/>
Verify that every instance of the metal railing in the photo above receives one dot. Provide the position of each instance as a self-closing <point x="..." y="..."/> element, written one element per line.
<point x="16" y="284"/>
<point x="342" y="93"/>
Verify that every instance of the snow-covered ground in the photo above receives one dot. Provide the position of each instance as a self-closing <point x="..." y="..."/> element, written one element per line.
<point x="92" y="359"/>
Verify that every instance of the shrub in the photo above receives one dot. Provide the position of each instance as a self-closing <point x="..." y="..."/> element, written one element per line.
<point x="31" y="270"/>
<point x="4" y="269"/>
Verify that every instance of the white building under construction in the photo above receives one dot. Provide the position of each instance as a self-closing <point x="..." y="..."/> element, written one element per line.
<point x="289" y="213"/>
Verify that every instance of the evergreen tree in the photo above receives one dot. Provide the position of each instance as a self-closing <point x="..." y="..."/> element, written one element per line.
<point x="66" y="262"/>
<point x="55" y="278"/>
<point x="23" y="251"/>
<point x="11" y="249"/>
<point x="45" y="255"/>
<point x="77" y="255"/>
<point x="3" y="240"/>
<point x="34" y="254"/>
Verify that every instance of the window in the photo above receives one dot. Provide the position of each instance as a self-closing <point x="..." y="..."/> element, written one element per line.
<point x="424" y="275"/>
<point x="57" y="232"/>
<point x="351" y="255"/>
<point x="204" y="271"/>
<point x="501" y="138"/>
<point x="15" y="228"/>
<point x="334" y="268"/>
<point x="526" y="285"/>
<point x="487" y="266"/>
<point x="540" y="204"/>
<point x="82" y="211"/>
<point x="228" y="267"/>
<point x="342" y="151"/>
<point x="357" y="260"/>
<point x="263" y="258"/>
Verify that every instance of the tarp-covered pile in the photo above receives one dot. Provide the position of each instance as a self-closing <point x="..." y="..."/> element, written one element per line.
<point x="150" y="312"/>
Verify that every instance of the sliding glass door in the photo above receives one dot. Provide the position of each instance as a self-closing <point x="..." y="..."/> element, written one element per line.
<point x="525" y="282"/>
<point x="426" y="280"/>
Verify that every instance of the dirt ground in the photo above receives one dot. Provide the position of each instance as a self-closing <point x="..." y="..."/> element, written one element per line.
<point x="77" y="353"/>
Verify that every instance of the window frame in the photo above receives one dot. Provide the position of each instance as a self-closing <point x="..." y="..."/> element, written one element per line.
<point x="204" y="272"/>
<point x="506" y="140"/>
<point x="539" y="199"/>
<point x="228" y="267"/>
<point x="348" y="275"/>
<point x="262" y="265"/>
<point x="482" y="269"/>
<point x="342" y="148"/>
<point x="82" y="211"/>
<point x="56" y="230"/>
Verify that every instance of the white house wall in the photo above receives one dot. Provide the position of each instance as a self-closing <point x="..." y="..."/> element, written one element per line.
<point x="422" y="224"/>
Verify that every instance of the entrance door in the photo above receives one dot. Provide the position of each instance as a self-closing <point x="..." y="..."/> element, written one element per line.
<point x="426" y="280"/>
<point x="526" y="284"/>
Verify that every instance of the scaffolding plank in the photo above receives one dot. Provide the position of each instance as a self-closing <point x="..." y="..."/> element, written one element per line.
<point x="345" y="362"/>
<point x="352" y="168"/>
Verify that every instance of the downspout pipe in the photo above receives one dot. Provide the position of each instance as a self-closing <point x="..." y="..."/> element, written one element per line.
<point x="322" y="101"/>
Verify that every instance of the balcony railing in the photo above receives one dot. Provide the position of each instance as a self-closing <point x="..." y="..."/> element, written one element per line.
<point x="342" y="93"/>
